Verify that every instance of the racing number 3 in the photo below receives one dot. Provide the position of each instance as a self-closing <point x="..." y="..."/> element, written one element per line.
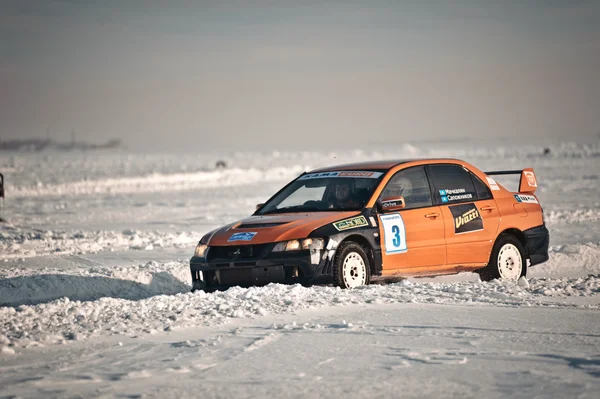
<point x="396" y="239"/>
<point x="394" y="233"/>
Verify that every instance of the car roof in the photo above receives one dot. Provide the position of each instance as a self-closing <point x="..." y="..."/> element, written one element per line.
<point x="377" y="165"/>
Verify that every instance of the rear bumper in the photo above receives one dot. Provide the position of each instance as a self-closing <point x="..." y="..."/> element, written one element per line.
<point x="537" y="240"/>
<point x="303" y="267"/>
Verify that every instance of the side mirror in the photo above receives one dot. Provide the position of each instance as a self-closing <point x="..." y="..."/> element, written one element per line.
<point x="391" y="204"/>
<point x="258" y="206"/>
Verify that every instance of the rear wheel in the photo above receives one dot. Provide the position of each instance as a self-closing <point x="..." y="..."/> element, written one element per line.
<point x="351" y="266"/>
<point x="507" y="261"/>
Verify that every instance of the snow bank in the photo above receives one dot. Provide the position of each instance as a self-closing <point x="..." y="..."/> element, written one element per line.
<point x="157" y="182"/>
<point x="572" y="216"/>
<point x="66" y="319"/>
<point x="19" y="243"/>
<point x="31" y="286"/>
<point x="58" y="174"/>
<point x="569" y="260"/>
<point x="52" y="304"/>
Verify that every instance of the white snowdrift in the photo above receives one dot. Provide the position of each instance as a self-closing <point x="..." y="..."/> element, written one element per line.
<point x="59" y="174"/>
<point x="96" y="300"/>
<point x="569" y="260"/>
<point x="64" y="319"/>
<point x="18" y="243"/>
<point x="32" y="286"/>
<point x="157" y="182"/>
<point x="573" y="216"/>
<point x="46" y="198"/>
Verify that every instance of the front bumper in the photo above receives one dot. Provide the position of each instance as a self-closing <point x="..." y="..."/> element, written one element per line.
<point x="537" y="240"/>
<point x="298" y="267"/>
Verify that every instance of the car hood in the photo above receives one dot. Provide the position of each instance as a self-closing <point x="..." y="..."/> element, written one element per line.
<point x="279" y="227"/>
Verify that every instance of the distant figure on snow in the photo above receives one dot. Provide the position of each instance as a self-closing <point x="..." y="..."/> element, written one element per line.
<point x="1" y="196"/>
<point x="220" y="164"/>
<point x="546" y="151"/>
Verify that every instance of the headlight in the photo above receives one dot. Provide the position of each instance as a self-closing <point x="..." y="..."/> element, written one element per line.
<point x="200" y="250"/>
<point x="313" y="243"/>
<point x="295" y="245"/>
<point x="292" y="245"/>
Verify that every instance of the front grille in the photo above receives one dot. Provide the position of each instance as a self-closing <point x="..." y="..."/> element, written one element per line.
<point x="245" y="264"/>
<point x="238" y="252"/>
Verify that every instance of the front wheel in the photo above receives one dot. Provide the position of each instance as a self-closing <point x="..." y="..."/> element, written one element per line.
<point x="199" y="286"/>
<point x="507" y="261"/>
<point x="351" y="266"/>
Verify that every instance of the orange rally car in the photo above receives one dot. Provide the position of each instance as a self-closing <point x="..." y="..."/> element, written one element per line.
<point x="344" y="224"/>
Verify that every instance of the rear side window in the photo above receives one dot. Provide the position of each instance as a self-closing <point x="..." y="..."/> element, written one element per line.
<point x="453" y="184"/>
<point x="483" y="192"/>
<point x="412" y="184"/>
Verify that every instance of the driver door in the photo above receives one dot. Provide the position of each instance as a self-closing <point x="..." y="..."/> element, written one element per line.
<point x="412" y="238"/>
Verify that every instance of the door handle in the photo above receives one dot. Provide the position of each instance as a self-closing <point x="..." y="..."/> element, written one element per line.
<point x="432" y="215"/>
<point x="487" y="208"/>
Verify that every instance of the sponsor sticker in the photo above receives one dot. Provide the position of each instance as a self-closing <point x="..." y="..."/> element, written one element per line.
<point x="390" y="203"/>
<point x="530" y="178"/>
<point x="373" y="222"/>
<point x="352" y="223"/>
<point x="346" y="173"/>
<point x="466" y="218"/>
<point x="530" y="199"/>
<point x="394" y="234"/>
<point x="246" y="236"/>
<point x="455" y="194"/>
<point x="492" y="183"/>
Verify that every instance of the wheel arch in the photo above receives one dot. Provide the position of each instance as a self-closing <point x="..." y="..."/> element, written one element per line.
<point x="518" y="234"/>
<point x="490" y="271"/>
<point x="363" y="242"/>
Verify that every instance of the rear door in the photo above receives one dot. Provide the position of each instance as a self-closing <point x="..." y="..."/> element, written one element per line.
<point x="414" y="236"/>
<point x="470" y="213"/>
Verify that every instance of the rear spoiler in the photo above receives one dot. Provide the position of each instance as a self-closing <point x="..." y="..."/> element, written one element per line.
<point x="528" y="182"/>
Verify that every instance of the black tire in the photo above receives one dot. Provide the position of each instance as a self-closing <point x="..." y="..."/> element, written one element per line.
<point x="346" y="257"/>
<point x="493" y="270"/>
<point x="200" y="286"/>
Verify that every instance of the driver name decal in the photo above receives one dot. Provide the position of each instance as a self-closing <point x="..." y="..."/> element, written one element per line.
<point x="456" y="194"/>
<point x="352" y="223"/>
<point x="466" y="218"/>
<point x="392" y="202"/>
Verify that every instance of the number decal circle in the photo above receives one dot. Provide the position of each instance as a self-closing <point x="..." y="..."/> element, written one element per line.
<point x="394" y="233"/>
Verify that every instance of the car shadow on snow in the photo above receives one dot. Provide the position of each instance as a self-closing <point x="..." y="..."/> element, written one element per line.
<point x="32" y="290"/>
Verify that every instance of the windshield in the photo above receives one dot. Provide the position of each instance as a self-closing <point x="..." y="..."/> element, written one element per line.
<point x="326" y="191"/>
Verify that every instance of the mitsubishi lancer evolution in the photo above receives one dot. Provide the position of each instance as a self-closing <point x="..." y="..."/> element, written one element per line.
<point x="345" y="224"/>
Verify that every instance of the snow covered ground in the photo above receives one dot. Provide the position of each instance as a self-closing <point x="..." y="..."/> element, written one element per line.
<point x="95" y="301"/>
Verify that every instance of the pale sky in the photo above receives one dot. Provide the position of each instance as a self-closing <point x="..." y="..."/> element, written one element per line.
<point x="298" y="74"/>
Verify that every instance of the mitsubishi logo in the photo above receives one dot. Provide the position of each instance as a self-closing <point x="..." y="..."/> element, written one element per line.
<point x="237" y="252"/>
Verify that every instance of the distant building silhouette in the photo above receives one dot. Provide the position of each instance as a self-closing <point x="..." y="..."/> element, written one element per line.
<point x="43" y="144"/>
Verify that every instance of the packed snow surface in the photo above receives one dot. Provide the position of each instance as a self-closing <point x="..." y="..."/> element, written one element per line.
<point x="95" y="288"/>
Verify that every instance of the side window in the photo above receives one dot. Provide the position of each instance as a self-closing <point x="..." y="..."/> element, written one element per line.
<point x="483" y="191"/>
<point x="453" y="184"/>
<point x="411" y="184"/>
